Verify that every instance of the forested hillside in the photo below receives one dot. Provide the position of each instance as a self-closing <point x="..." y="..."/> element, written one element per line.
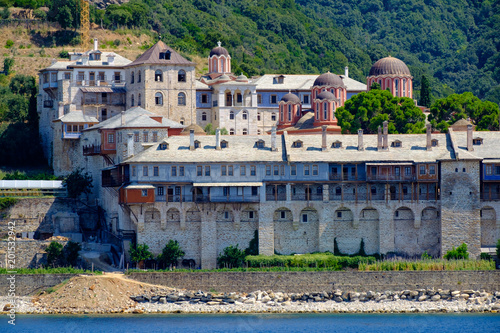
<point x="455" y="42"/>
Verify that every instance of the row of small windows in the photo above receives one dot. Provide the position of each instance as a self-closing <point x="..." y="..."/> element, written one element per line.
<point x="273" y="99"/>
<point x="181" y="99"/>
<point x="181" y="76"/>
<point x="145" y="136"/>
<point x="490" y="169"/>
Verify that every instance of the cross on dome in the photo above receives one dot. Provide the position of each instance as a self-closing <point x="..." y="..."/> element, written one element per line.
<point x="219" y="43"/>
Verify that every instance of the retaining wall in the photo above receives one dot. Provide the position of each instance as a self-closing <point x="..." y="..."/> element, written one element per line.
<point x="29" y="284"/>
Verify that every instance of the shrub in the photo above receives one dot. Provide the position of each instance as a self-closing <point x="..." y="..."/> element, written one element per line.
<point x="231" y="257"/>
<point x="425" y="256"/>
<point x="64" y="54"/>
<point x="140" y="252"/>
<point x="54" y="251"/>
<point x="170" y="254"/>
<point x="485" y="256"/>
<point x="253" y="246"/>
<point x="9" y="43"/>
<point x="70" y="253"/>
<point x="77" y="183"/>
<point x="325" y="260"/>
<point x="7" y="202"/>
<point x="458" y="253"/>
<point x="117" y="42"/>
<point x="362" y="248"/>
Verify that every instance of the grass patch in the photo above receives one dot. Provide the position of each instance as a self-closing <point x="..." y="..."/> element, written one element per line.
<point x="240" y="269"/>
<point x="324" y="260"/>
<point x="429" y="265"/>
<point x="57" y="270"/>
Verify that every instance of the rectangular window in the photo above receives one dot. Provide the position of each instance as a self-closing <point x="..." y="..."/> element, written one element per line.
<point x="145" y="171"/>
<point x="177" y="190"/>
<point x="253" y="171"/>
<point x="276" y="170"/>
<point x="432" y="170"/>
<point x="422" y="169"/>
<point x="259" y="99"/>
<point x="497" y="170"/>
<point x="306" y="99"/>
<point x="282" y="170"/>
<point x="408" y="171"/>
<point x="283" y="215"/>
<point x="67" y="76"/>
<point x="229" y="170"/>
<point x="174" y="171"/>
<point x="274" y="99"/>
<point x="181" y="171"/>
<point x="488" y="169"/>
<point x="373" y="171"/>
<point x="315" y="170"/>
<point x="304" y="218"/>
<point x="111" y="138"/>
<point x="133" y="171"/>
<point x="397" y="171"/>
<point x="204" y="98"/>
<point x="306" y="170"/>
<point x="223" y="170"/>
<point x="117" y="77"/>
<point x="255" y="190"/>
<point x="250" y="215"/>
<point x="144" y="193"/>
<point x="145" y="136"/>
<point x="156" y="171"/>
<point x="293" y="170"/>
<point x="155" y="136"/>
<point x="136" y="136"/>
<point x="243" y="170"/>
<point x="207" y="170"/>
<point x="268" y="170"/>
<point x="199" y="170"/>
<point x="160" y="191"/>
<point x="225" y="191"/>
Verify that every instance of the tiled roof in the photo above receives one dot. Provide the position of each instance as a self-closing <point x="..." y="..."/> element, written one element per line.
<point x="119" y="61"/>
<point x="136" y="117"/>
<point x="152" y="56"/>
<point x="301" y="82"/>
<point x="77" y="117"/>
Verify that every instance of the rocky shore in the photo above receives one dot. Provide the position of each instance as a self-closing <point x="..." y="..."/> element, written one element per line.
<point x="175" y="301"/>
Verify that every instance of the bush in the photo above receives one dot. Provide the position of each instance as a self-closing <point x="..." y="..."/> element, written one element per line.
<point x="77" y="183"/>
<point x="140" y="253"/>
<point x="458" y="253"/>
<point x="253" y="246"/>
<point x="70" y="253"/>
<point x="9" y="43"/>
<point x="64" y="54"/>
<point x="425" y="256"/>
<point x="117" y="42"/>
<point x="485" y="256"/>
<point x="171" y="254"/>
<point x="231" y="257"/>
<point x="7" y="202"/>
<point x="54" y="251"/>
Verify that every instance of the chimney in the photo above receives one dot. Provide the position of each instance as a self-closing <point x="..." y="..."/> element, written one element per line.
<point x="130" y="145"/>
<point x="273" y="139"/>
<point x="385" y="137"/>
<point x="360" y="140"/>
<point x="60" y="110"/>
<point x="379" y="138"/>
<point x="429" y="137"/>
<point x="95" y="44"/>
<point x="469" y="138"/>
<point x="217" y="139"/>
<point x="123" y="118"/>
<point x="191" y="139"/>
<point x="346" y="72"/>
<point x="323" y="138"/>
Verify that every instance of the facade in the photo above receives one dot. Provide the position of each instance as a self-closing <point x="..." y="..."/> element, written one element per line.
<point x="402" y="194"/>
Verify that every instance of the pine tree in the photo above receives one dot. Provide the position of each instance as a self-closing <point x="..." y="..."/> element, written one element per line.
<point x="425" y="92"/>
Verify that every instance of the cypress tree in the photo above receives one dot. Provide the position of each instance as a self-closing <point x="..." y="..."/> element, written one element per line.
<point x="425" y="92"/>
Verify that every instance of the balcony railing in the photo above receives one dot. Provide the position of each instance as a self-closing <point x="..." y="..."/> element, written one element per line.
<point x="345" y="177"/>
<point x="390" y="177"/>
<point x="234" y="199"/>
<point x="91" y="150"/>
<point x="307" y="197"/>
<point x="275" y="197"/>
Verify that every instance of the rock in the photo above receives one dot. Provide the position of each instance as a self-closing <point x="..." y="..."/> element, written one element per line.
<point x="338" y="299"/>
<point x="213" y="303"/>
<point x="468" y="291"/>
<point x="318" y="299"/>
<point x="7" y="307"/>
<point x="436" y="297"/>
<point x="92" y="287"/>
<point x="163" y="300"/>
<point x="172" y="298"/>
<point x="495" y="306"/>
<point x="249" y="301"/>
<point x="413" y="293"/>
<point x="155" y="298"/>
<point x="265" y="299"/>
<point x="464" y="296"/>
<point x="422" y="298"/>
<point x="455" y="293"/>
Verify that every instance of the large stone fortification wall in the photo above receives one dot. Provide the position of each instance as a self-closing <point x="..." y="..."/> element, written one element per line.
<point x="324" y="281"/>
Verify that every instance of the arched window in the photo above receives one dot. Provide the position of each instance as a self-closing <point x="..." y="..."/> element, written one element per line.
<point x="325" y="111"/>
<point x="182" y="121"/>
<point x="258" y="116"/>
<point x="132" y="78"/>
<point x="317" y="110"/>
<point x="158" y="98"/>
<point x="181" y="99"/>
<point x="231" y="115"/>
<point x="204" y="116"/>
<point x="245" y="131"/>
<point x="319" y="190"/>
<point x="244" y="115"/>
<point x="396" y="87"/>
<point x="132" y="102"/>
<point x="282" y="113"/>
<point x="139" y="100"/>
<point x="181" y="76"/>
<point x="273" y="116"/>
<point x="231" y="131"/>
<point x="139" y="76"/>
<point x="289" y="112"/>
<point x="158" y="76"/>
<point x="214" y="65"/>
<point x="404" y="87"/>
<point x="222" y="65"/>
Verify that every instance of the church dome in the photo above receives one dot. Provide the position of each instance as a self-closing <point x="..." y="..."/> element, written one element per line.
<point x="326" y="95"/>
<point x="291" y="98"/>
<point x="219" y="50"/>
<point x="224" y="77"/>
<point x="328" y="79"/>
<point x="197" y="130"/>
<point x="242" y="78"/>
<point x="389" y="66"/>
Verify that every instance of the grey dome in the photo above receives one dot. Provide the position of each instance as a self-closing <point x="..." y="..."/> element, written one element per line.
<point x="291" y="98"/>
<point x="326" y="95"/>
<point x="329" y="79"/>
<point x="389" y="66"/>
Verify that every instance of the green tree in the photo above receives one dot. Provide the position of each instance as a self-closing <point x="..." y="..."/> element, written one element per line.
<point x="458" y="253"/>
<point x="375" y="85"/>
<point x="231" y="257"/>
<point x="65" y="12"/>
<point x="425" y="92"/>
<point x="5" y="14"/>
<point x="8" y="63"/>
<point x="253" y="246"/>
<point x="70" y="253"/>
<point x="54" y="254"/>
<point x="462" y="106"/>
<point x="140" y="252"/>
<point x="368" y="110"/>
<point x="171" y="254"/>
<point x="78" y="183"/>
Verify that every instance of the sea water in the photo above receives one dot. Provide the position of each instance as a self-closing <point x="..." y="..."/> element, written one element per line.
<point x="287" y="323"/>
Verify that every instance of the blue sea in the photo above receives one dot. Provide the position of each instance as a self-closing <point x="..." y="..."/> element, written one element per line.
<point x="288" y="323"/>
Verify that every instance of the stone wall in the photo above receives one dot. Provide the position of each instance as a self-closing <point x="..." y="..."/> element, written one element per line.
<point x="28" y="253"/>
<point x="30" y="284"/>
<point x="324" y="281"/>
